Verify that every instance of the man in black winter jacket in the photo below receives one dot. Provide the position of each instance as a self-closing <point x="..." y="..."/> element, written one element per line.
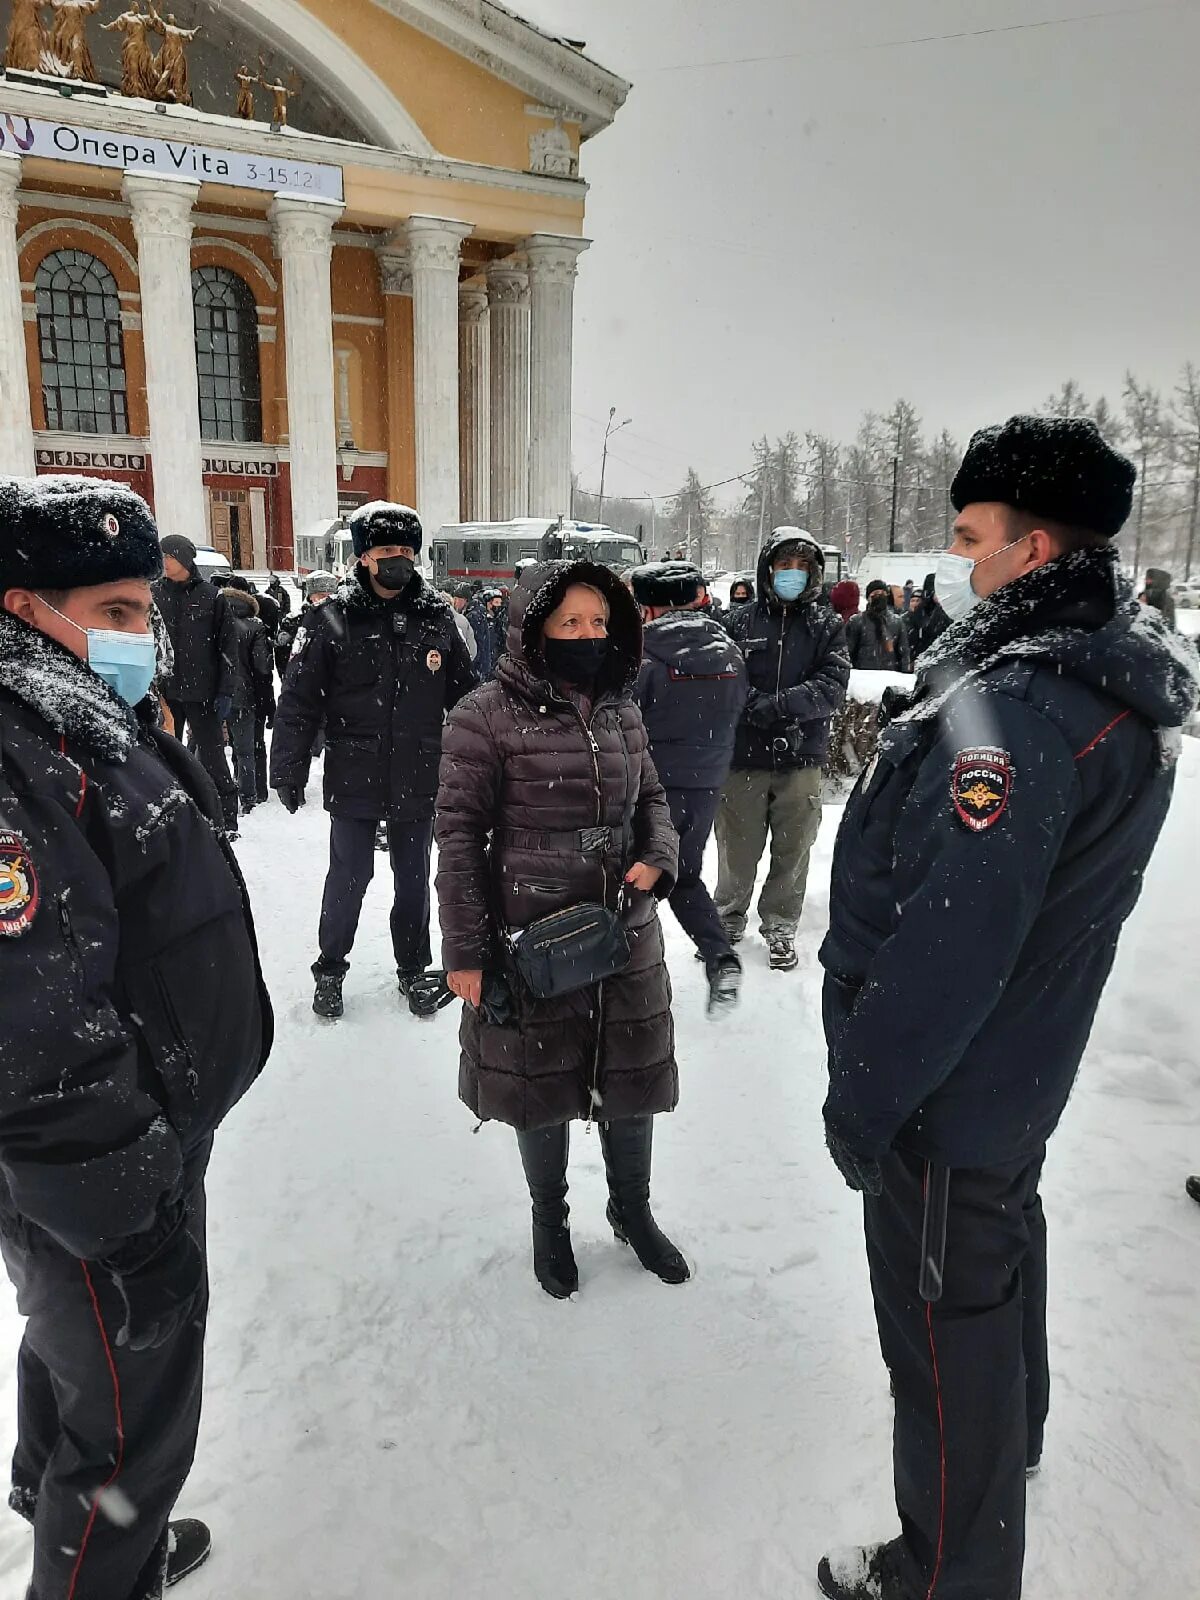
<point x="877" y="641"/>
<point x="253" y="699"/>
<point x="692" y="688"/>
<point x="984" y="869"/>
<point x="132" y="1018"/>
<point x="795" y="650"/>
<point x="381" y="664"/>
<point x="199" y="692"/>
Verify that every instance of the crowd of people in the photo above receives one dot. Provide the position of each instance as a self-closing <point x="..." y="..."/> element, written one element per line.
<point x="572" y="746"/>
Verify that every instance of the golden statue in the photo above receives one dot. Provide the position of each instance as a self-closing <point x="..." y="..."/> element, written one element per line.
<point x="172" y="60"/>
<point x="27" y="45"/>
<point x="283" y="92"/>
<point x="68" y="41"/>
<point x="139" y="68"/>
<point x="245" y="101"/>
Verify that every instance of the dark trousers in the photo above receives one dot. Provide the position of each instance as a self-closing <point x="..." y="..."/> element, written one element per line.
<point x="261" y="786"/>
<point x="351" y="868"/>
<point x="210" y="748"/>
<point x="970" y="1372"/>
<point x="241" y="742"/>
<point x="693" y="811"/>
<point x="93" y="1416"/>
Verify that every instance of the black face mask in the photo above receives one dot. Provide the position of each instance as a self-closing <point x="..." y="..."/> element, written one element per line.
<point x="394" y="572"/>
<point x="577" y="661"/>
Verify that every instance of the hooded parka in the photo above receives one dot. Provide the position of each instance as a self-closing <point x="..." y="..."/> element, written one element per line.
<point x="546" y="802"/>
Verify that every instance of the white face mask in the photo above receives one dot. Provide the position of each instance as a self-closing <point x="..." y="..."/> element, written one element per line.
<point x="952" y="583"/>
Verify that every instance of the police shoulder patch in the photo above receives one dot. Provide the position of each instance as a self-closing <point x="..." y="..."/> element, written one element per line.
<point x="981" y="787"/>
<point x="20" y="892"/>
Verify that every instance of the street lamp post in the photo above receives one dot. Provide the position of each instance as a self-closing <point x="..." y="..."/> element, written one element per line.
<point x="608" y="433"/>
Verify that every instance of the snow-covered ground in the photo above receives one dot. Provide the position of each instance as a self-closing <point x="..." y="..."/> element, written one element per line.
<point x="395" y="1408"/>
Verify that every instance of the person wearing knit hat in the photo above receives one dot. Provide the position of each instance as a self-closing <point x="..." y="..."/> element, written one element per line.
<point x="844" y="598"/>
<point x="378" y="666"/>
<point x="200" y="690"/>
<point x="133" y="1016"/>
<point x="987" y="863"/>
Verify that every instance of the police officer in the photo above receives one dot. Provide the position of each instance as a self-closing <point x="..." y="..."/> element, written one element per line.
<point x="381" y="663"/>
<point x="985" y="866"/>
<point x="132" y="1017"/>
<point x="691" y="689"/>
<point x="200" y="689"/>
<point x="795" y="650"/>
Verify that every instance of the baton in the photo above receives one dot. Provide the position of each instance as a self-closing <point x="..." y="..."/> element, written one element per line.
<point x="933" y="1234"/>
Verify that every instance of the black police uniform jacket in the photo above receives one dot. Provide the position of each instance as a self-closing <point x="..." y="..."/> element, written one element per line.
<point x="797" y="655"/>
<point x="691" y="689"/>
<point x="987" y="861"/>
<point x="383" y="674"/>
<point x="204" y="639"/>
<point x="133" y="1013"/>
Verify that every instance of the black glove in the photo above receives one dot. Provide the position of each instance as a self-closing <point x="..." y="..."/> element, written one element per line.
<point x="291" y="797"/>
<point x="762" y="710"/>
<point x="160" y="1277"/>
<point x="863" y="1174"/>
<point x="223" y="707"/>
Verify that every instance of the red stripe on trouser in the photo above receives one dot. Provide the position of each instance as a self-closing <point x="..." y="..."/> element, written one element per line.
<point x="937" y="1389"/>
<point x="120" y="1427"/>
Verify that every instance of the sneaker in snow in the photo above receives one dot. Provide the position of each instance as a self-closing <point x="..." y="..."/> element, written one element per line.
<point x="782" y="953"/>
<point x="189" y="1545"/>
<point x="724" y="986"/>
<point x="870" y="1574"/>
<point x="735" y="932"/>
<point x="327" y="1001"/>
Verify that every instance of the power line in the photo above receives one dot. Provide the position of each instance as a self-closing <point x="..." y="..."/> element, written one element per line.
<point x="927" y="38"/>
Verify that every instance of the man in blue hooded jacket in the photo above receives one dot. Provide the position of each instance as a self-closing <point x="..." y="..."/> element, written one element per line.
<point x="985" y="866"/>
<point x="795" y="649"/>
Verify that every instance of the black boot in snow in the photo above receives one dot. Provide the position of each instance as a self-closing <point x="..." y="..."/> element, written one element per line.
<point x="724" y="986"/>
<point x="627" y="1146"/>
<point x="189" y="1545"/>
<point x="1193" y="1188"/>
<point x="544" y="1157"/>
<point x="870" y="1574"/>
<point x="327" y="1001"/>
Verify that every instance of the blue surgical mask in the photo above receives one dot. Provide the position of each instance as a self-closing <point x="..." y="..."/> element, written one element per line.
<point x="790" y="584"/>
<point x="127" y="662"/>
<point x="953" y="583"/>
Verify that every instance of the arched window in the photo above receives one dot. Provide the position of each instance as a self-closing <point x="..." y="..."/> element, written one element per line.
<point x="227" y="356"/>
<point x="83" y="352"/>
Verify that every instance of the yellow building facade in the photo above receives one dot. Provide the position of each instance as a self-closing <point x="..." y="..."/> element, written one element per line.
<point x="345" y="271"/>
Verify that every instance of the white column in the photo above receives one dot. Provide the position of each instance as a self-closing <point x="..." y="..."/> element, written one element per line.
<point x="474" y="397"/>
<point x="303" y="232"/>
<point x="553" y="263"/>
<point x="162" y="211"/>
<point x="435" y="250"/>
<point x="508" y="300"/>
<point x="16" y="422"/>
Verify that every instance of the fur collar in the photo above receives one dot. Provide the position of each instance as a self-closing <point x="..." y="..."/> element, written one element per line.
<point x="64" y="691"/>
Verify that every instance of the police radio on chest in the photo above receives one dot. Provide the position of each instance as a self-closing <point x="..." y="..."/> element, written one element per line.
<point x="400" y="624"/>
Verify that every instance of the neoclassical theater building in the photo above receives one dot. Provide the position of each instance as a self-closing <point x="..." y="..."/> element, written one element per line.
<point x="265" y="260"/>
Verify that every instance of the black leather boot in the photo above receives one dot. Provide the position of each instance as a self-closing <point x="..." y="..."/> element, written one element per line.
<point x="627" y="1146"/>
<point x="544" y="1157"/>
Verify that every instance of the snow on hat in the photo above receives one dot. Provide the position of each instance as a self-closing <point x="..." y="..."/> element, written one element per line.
<point x="666" y="583"/>
<point x="319" y="582"/>
<point x="380" y="522"/>
<point x="73" y="533"/>
<point x="1060" y="468"/>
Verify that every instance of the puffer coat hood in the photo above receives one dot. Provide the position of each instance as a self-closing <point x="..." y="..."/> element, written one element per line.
<point x="544" y="803"/>
<point x="774" y="547"/>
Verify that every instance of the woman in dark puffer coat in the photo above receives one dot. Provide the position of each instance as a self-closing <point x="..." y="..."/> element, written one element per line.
<point x="549" y="799"/>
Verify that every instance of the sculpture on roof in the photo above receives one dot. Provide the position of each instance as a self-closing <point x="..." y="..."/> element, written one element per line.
<point x="68" y="40"/>
<point x="28" y="46"/>
<point x="139" y="65"/>
<point x="245" y="100"/>
<point x="173" y="84"/>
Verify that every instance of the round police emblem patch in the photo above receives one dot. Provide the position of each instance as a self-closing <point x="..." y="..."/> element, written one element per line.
<point x="981" y="787"/>
<point x="20" y="892"/>
<point x="111" y="526"/>
<point x="434" y="661"/>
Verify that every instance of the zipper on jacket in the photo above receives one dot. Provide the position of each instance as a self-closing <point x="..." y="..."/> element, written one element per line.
<point x="594" y="1090"/>
<point x="67" y="928"/>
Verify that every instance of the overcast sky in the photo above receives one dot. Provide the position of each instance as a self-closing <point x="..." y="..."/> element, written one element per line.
<point x="785" y="241"/>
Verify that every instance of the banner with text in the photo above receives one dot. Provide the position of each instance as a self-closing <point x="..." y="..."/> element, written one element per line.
<point x="59" y="141"/>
